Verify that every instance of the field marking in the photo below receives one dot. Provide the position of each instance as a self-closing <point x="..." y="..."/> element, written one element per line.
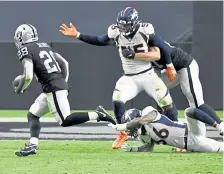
<point x="24" y="120"/>
<point x="45" y="120"/>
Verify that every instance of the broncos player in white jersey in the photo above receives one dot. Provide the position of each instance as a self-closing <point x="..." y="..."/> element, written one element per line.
<point x="51" y="70"/>
<point x="132" y="38"/>
<point x="154" y="128"/>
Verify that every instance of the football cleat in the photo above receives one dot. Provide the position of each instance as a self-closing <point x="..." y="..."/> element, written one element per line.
<point x="103" y="115"/>
<point x="29" y="149"/>
<point x="221" y="128"/>
<point x="121" y="138"/>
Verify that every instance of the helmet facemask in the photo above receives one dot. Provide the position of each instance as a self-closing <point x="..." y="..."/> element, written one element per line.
<point x="127" y="28"/>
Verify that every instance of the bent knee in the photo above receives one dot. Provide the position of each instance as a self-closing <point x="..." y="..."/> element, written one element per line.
<point x="166" y="102"/>
<point x="189" y="112"/>
<point x="117" y="96"/>
<point x="64" y="123"/>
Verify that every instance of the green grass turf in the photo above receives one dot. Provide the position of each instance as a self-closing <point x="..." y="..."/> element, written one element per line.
<point x="97" y="157"/>
<point x="22" y="113"/>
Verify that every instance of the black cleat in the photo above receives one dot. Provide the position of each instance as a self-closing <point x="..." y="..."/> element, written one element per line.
<point x="104" y="115"/>
<point x="29" y="149"/>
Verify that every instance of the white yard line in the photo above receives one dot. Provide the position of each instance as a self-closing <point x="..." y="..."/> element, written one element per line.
<point x="24" y="119"/>
<point x="43" y="119"/>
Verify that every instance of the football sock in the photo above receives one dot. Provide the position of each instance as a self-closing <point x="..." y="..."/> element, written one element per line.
<point x="172" y="113"/>
<point x="75" y="118"/>
<point x="210" y="111"/>
<point x="34" y="140"/>
<point x="118" y="110"/>
<point x="203" y="117"/>
<point x="34" y="124"/>
<point x="92" y="115"/>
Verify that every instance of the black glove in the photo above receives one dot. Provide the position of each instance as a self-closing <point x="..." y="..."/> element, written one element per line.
<point x="128" y="53"/>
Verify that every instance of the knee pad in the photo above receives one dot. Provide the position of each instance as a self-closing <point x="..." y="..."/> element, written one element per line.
<point x="117" y="96"/>
<point x="165" y="101"/>
<point x="188" y="112"/>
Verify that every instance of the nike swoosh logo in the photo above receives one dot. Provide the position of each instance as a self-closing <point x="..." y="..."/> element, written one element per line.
<point x="104" y="115"/>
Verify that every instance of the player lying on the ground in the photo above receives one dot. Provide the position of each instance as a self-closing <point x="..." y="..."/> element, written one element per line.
<point x="188" y="79"/>
<point x="133" y="37"/>
<point x="155" y="128"/>
<point x="51" y="71"/>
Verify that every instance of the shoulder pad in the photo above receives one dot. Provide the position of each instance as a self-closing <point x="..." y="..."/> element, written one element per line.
<point x="113" y="31"/>
<point x="25" y="51"/>
<point x="147" y="28"/>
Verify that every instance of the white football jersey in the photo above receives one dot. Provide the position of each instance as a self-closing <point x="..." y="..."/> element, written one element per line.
<point x="164" y="131"/>
<point x="139" y="43"/>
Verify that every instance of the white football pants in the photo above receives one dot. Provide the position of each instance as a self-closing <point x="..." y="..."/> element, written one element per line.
<point x="55" y="102"/>
<point x="127" y="87"/>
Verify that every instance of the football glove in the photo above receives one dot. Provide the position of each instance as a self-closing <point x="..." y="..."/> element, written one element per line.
<point x="69" y="31"/>
<point x="126" y="148"/>
<point x="128" y="53"/>
<point x="118" y="127"/>
<point x="171" y="72"/>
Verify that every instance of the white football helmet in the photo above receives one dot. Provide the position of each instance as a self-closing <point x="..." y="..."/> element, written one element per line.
<point x="24" y="34"/>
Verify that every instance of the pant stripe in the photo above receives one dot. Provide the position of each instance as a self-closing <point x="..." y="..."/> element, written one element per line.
<point x="57" y="106"/>
<point x="191" y="86"/>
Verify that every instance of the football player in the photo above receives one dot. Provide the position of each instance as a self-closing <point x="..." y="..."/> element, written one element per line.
<point x="39" y="59"/>
<point x="188" y="79"/>
<point x="133" y="38"/>
<point x="154" y="128"/>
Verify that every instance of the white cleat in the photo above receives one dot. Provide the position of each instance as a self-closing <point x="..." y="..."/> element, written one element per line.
<point x="220" y="128"/>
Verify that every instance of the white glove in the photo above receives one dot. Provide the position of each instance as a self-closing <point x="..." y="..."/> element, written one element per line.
<point x="126" y="148"/>
<point x="118" y="127"/>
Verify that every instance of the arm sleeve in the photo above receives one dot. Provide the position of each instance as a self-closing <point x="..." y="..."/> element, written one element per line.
<point x="64" y="65"/>
<point x="164" y="48"/>
<point x="102" y="40"/>
<point x="27" y="75"/>
<point x="146" y="147"/>
<point x="133" y="125"/>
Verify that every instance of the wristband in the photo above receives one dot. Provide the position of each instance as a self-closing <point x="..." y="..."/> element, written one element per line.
<point x="77" y="36"/>
<point x="169" y="65"/>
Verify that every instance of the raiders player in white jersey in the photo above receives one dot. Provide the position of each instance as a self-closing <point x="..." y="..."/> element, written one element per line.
<point x="51" y="70"/>
<point x="132" y="38"/>
<point x="154" y="128"/>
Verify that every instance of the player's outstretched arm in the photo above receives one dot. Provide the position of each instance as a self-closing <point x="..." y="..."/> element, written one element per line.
<point x="136" y="123"/>
<point x="71" y="31"/>
<point x="26" y="77"/>
<point x="146" y="147"/>
<point x="64" y="65"/>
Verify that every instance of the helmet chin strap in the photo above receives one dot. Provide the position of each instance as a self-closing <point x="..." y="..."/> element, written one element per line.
<point x="31" y="40"/>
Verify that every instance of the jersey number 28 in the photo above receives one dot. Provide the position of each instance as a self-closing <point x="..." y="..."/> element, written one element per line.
<point x="50" y="63"/>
